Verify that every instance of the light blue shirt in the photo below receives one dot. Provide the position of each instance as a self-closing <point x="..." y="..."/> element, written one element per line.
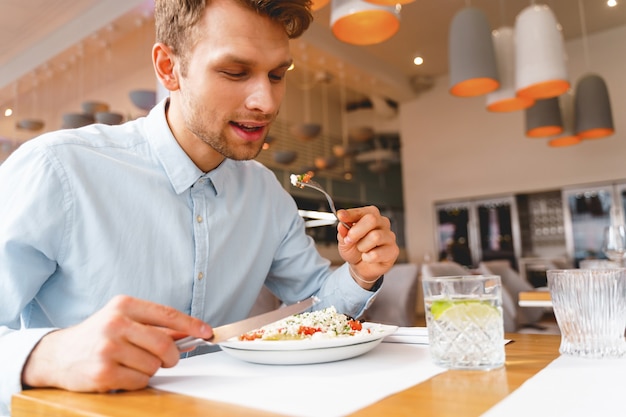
<point x="103" y="210"/>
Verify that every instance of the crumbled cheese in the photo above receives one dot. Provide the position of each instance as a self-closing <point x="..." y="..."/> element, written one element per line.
<point x="326" y="323"/>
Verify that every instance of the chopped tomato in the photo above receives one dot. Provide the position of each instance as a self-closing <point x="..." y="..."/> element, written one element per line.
<point x="306" y="177"/>
<point x="251" y="335"/>
<point x="355" y="325"/>
<point x="308" y="330"/>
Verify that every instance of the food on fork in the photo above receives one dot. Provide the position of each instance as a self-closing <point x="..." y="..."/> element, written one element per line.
<point x="326" y="323"/>
<point x="297" y="180"/>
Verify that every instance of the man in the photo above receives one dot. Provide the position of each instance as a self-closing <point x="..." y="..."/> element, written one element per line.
<point x="117" y="240"/>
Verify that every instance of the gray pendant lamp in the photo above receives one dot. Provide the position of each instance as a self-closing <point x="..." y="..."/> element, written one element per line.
<point x="472" y="60"/>
<point x="568" y="137"/>
<point x="592" y="108"/>
<point x="544" y="118"/>
<point x="540" y="58"/>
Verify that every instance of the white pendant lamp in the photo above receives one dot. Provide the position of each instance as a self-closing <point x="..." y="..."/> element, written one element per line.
<point x="358" y="22"/>
<point x="540" y="59"/>
<point x="472" y="60"/>
<point x="568" y="137"/>
<point x="504" y="99"/>
<point x="592" y="108"/>
<point x="544" y="118"/>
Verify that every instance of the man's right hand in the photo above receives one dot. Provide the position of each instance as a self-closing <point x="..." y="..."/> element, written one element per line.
<point x="120" y="347"/>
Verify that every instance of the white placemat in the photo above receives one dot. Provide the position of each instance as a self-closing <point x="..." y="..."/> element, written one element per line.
<point x="327" y="389"/>
<point x="572" y="387"/>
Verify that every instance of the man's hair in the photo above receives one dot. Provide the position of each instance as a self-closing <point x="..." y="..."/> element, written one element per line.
<point x="176" y="21"/>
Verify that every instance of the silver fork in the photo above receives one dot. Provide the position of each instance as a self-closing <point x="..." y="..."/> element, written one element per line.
<point x="316" y="186"/>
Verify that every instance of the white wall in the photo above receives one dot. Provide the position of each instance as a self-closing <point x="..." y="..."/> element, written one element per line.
<point x="454" y="148"/>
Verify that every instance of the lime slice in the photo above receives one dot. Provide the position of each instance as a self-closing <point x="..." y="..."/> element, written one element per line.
<point x="439" y="307"/>
<point x="460" y="310"/>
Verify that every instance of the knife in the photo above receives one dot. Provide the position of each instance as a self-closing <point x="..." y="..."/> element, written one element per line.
<point x="223" y="333"/>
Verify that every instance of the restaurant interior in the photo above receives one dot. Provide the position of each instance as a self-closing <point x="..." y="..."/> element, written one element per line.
<point x="460" y="181"/>
<point x="478" y="173"/>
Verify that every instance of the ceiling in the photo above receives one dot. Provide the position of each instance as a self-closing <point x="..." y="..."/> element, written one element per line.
<point x="35" y="31"/>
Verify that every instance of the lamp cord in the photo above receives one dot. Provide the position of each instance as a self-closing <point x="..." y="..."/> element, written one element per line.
<point x="583" y="29"/>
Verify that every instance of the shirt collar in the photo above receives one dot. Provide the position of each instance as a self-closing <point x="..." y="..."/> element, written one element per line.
<point x="180" y="169"/>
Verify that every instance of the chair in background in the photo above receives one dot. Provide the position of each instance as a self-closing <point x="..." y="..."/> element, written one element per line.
<point x="444" y="269"/>
<point x="448" y="268"/>
<point x="598" y="264"/>
<point x="396" y="303"/>
<point x="514" y="284"/>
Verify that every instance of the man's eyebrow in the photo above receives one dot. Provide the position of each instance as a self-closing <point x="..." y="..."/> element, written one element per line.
<point x="286" y="64"/>
<point x="246" y="62"/>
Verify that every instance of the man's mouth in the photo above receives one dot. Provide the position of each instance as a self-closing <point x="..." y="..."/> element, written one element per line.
<point x="248" y="127"/>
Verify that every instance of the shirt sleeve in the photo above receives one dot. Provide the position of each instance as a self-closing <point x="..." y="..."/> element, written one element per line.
<point x="16" y="346"/>
<point x="299" y="271"/>
<point x="26" y="253"/>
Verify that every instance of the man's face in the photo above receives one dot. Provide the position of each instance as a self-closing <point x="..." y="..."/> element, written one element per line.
<point x="235" y="81"/>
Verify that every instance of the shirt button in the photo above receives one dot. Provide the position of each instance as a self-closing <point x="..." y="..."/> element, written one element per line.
<point x="200" y="276"/>
<point x="199" y="219"/>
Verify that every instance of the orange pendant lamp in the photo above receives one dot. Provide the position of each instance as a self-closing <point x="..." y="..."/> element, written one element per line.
<point x="540" y="59"/>
<point x="358" y="22"/>
<point x="389" y="2"/>
<point x="504" y="99"/>
<point x="318" y="4"/>
<point x="544" y="118"/>
<point x="592" y="108"/>
<point x="472" y="60"/>
<point x="568" y="137"/>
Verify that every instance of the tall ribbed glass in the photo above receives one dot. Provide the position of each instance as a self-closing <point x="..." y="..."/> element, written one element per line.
<point x="590" y="309"/>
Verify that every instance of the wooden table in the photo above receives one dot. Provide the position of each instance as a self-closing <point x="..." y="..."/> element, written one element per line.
<point x="452" y="393"/>
<point x="535" y="299"/>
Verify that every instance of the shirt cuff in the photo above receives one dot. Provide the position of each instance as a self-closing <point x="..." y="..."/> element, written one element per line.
<point x="357" y="295"/>
<point x="15" y="348"/>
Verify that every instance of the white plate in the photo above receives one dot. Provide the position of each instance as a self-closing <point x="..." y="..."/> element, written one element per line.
<point x="308" y="351"/>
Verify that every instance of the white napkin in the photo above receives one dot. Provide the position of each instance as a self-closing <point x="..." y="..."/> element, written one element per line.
<point x="327" y="389"/>
<point x="569" y="386"/>
<point x="412" y="335"/>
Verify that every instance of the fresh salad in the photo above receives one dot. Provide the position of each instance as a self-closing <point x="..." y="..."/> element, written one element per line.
<point x="297" y="180"/>
<point x="326" y="323"/>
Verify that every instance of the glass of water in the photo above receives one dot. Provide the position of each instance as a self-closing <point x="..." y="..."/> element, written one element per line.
<point x="464" y="320"/>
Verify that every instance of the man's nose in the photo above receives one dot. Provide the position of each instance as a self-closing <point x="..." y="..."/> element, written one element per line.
<point x="264" y="96"/>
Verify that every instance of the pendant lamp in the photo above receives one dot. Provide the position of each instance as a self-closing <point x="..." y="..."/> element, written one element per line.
<point x="544" y="118"/>
<point x="568" y="137"/>
<point x="472" y="59"/>
<point x="540" y="59"/>
<point x="592" y="108"/>
<point x="358" y="22"/>
<point x="318" y="4"/>
<point x="504" y="99"/>
<point x="389" y="2"/>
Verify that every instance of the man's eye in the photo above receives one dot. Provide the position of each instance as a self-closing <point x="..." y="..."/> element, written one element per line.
<point x="234" y="74"/>
<point x="277" y="76"/>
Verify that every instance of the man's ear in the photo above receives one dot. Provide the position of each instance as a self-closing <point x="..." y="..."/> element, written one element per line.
<point x="163" y="62"/>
